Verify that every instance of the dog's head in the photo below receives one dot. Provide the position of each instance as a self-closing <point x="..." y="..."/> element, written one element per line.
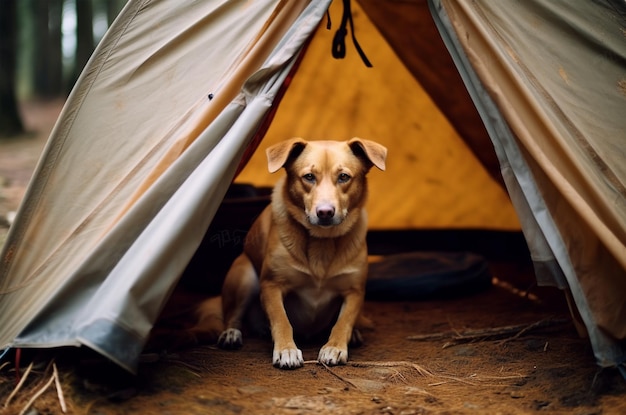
<point x="326" y="185"/>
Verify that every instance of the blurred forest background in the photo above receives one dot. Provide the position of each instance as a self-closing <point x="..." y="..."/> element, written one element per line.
<point x="44" y="45"/>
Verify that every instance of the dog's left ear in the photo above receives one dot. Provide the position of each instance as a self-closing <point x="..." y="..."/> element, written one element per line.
<point x="375" y="153"/>
<point x="279" y="154"/>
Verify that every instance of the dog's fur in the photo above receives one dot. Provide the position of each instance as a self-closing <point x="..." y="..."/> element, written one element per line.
<point x="305" y="257"/>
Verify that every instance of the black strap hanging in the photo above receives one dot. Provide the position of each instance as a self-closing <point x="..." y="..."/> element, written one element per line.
<point x="339" y="41"/>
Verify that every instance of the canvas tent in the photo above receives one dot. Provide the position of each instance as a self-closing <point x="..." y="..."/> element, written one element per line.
<point x="152" y="134"/>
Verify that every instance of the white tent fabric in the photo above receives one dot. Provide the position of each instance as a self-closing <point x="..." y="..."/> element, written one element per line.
<point x="549" y="79"/>
<point x="138" y="163"/>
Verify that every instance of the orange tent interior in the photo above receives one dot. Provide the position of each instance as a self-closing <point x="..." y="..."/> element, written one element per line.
<point x="441" y="171"/>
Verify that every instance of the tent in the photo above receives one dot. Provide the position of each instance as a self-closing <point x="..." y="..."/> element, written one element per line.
<point x="177" y="94"/>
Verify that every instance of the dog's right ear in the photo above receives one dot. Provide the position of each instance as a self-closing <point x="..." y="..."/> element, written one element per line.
<point x="279" y="154"/>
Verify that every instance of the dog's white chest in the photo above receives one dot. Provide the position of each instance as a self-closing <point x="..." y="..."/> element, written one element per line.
<point x="311" y="310"/>
<point x="317" y="298"/>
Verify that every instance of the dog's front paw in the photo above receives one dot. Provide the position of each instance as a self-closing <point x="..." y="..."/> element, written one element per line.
<point x="288" y="358"/>
<point x="333" y="356"/>
<point x="230" y="339"/>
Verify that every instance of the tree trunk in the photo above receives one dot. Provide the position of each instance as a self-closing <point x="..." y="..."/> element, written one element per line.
<point x="55" y="55"/>
<point x="10" y="121"/>
<point x="84" y="36"/>
<point x="47" y="53"/>
<point x="113" y="9"/>
<point x="40" y="49"/>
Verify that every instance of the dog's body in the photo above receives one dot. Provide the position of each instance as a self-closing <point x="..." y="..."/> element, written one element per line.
<point x="305" y="257"/>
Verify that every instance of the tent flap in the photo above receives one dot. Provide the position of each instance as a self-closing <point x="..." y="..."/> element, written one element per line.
<point x="557" y="128"/>
<point x="145" y="156"/>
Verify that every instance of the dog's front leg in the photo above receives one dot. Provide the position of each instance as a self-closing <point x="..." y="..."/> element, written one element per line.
<point x="286" y="355"/>
<point x="335" y="351"/>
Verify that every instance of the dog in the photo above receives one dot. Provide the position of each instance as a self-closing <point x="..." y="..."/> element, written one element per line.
<point x="304" y="261"/>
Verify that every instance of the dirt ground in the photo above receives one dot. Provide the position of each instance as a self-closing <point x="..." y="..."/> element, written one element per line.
<point x="540" y="365"/>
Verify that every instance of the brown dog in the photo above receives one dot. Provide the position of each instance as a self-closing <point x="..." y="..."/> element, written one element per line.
<point x="306" y="254"/>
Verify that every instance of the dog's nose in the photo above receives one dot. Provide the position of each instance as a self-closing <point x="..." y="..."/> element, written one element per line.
<point x="325" y="212"/>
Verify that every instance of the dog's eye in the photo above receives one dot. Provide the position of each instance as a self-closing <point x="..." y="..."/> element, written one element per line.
<point x="343" y="178"/>
<point x="309" y="177"/>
